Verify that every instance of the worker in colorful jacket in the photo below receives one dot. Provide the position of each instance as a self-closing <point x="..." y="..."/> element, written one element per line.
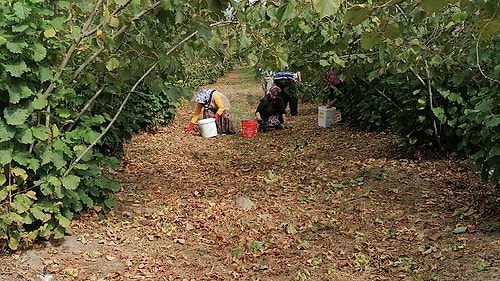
<point x="211" y="103"/>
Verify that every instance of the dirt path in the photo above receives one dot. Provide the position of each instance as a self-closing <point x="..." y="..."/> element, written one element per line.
<point x="328" y="204"/>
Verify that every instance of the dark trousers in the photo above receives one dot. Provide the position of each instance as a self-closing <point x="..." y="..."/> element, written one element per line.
<point x="288" y="100"/>
<point x="292" y="102"/>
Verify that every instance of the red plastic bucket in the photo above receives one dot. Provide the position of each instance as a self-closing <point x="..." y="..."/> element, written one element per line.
<point x="249" y="128"/>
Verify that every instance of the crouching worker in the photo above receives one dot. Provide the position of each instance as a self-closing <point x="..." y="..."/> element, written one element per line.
<point x="271" y="112"/>
<point x="213" y="104"/>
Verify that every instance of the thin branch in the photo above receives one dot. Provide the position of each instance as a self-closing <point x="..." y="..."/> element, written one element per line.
<point x="114" y="13"/>
<point x="385" y="96"/>
<point x="431" y="104"/>
<point x="120" y="109"/>
<point x="87" y="105"/>
<point x="479" y="64"/>
<point x="418" y="77"/>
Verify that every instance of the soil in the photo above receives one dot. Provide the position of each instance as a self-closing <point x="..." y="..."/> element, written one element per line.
<point x="306" y="203"/>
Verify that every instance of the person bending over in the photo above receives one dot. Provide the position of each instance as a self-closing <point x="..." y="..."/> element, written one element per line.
<point x="270" y="113"/>
<point x="213" y="104"/>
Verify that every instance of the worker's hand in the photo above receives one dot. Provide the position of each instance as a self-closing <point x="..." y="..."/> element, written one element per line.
<point x="216" y="116"/>
<point x="189" y="128"/>
<point x="260" y="121"/>
<point x="286" y="126"/>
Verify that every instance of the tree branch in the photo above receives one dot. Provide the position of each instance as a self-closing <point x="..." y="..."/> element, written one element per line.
<point x="120" y="109"/>
<point x="384" y="95"/>
<point x="114" y="13"/>
<point x="429" y="89"/>
<point x="86" y="107"/>
<point x="479" y="64"/>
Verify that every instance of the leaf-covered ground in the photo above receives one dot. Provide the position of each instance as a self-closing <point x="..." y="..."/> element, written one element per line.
<point x="328" y="204"/>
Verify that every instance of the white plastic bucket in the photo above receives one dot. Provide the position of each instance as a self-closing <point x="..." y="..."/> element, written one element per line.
<point x="326" y="116"/>
<point x="208" y="127"/>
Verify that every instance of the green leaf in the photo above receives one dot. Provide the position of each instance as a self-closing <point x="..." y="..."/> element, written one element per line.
<point x="439" y="113"/>
<point x="58" y="22"/>
<point x="237" y="251"/>
<point x="63" y="221"/>
<point x="3" y="179"/>
<point x="287" y="10"/>
<point x="40" y="102"/>
<point x="114" y="22"/>
<point x="21" y="90"/>
<point x="90" y="136"/>
<point x="16" y="48"/>
<point x="245" y="41"/>
<point x="16" y="115"/>
<point x="5" y="156"/>
<point x="460" y="229"/>
<point x="58" y="159"/>
<point x="41" y="132"/>
<point x="18" y="92"/>
<point x="25" y="136"/>
<point x="21" y="203"/>
<point x="18" y="69"/>
<point x="326" y="8"/>
<point x="55" y="131"/>
<point x="205" y="32"/>
<point x="431" y="6"/>
<point x="369" y="39"/>
<point x="270" y="177"/>
<point x="392" y="30"/>
<point x="179" y="16"/>
<point x="49" y="32"/>
<point x="20" y="28"/>
<point x="495" y="151"/>
<point x="3" y="190"/>
<point x="38" y="213"/>
<point x="85" y="199"/>
<point x="71" y="182"/>
<point x="3" y="40"/>
<point x="21" y="11"/>
<point x="63" y="112"/>
<point x="6" y="132"/>
<point x="19" y="173"/>
<point x="46" y="155"/>
<point x="59" y="232"/>
<point x="45" y="74"/>
<point x="112" y="64"/>
<point x="13" y="243"/>
<point x="109" y="202"/>
<point x="14" y="96"/>
<point x="27" y="160"/>
<point x="39" y="52"/>
<point x="356" y="14"/>
<point x="421" y="102"/>
<point x="338" y="60"/>
<point x="492" y="122"/>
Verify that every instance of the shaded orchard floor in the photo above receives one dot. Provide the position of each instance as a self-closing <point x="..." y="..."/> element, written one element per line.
<point x="340" y="205"/>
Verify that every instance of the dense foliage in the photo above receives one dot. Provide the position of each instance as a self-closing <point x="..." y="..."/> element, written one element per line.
<point x="79" y="78"/>
<point x="427" y="70"/>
